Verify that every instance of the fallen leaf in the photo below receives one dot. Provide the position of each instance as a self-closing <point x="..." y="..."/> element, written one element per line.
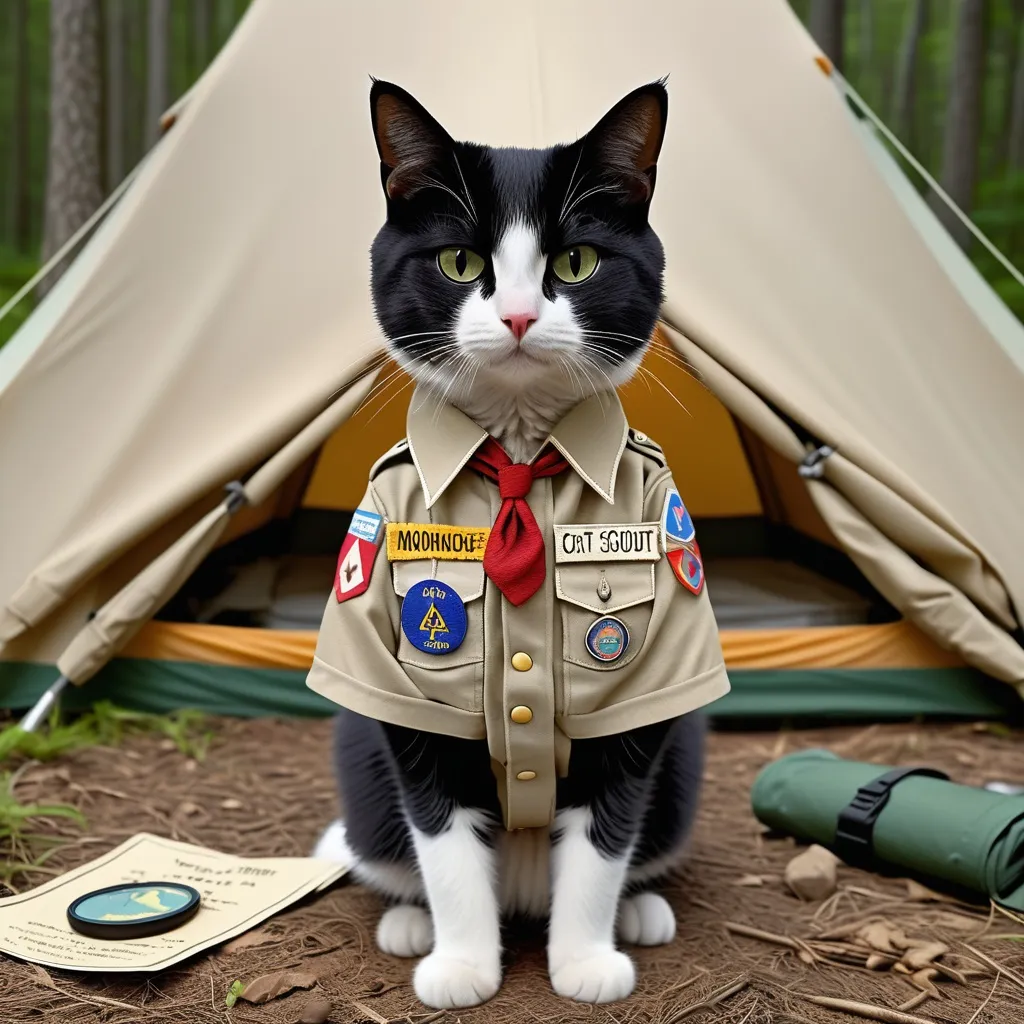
<point x="167" y="744"/>
<point x="231" y="804"/>
<point x="883" y="936"/>
<point x="256" y="937"/>
<point x="923" y="980"/>
<point x="921" y="956"/>
<point x="270" y="986"/>
<point x="43" y="977"/>
<point x="188" y="808"/>
<point x="749" y="880"/>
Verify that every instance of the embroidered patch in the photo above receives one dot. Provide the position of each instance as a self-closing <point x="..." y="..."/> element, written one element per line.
<point x="687" y="565"/>
<point x="358" y="551"/>
<point x="433" y="617"/>
<point x="676" y="524"/>
<point x="410" y="541"/>
<point x="366" y="525"/>
<point x="622" y="542"/>
<point x="607" y="638"/>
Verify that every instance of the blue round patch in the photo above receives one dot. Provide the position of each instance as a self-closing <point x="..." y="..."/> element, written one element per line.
<point x="433" y="617"/>
<point x="607" y="638"/>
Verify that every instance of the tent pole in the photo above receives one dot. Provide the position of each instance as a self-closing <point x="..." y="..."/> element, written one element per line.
<point x="42" y="707"/>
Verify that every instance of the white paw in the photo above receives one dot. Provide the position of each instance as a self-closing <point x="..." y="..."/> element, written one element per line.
<point x="604" y="976"/>
<point x="405" y="931"/>
<point x="646" y="920"/>
<point x="446" y="982"/>
<point x="333" y="845"/>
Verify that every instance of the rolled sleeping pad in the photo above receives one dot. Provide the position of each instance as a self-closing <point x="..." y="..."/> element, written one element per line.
<point x="922" y="824"/>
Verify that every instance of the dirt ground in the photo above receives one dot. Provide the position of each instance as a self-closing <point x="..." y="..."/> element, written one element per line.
<point x="275" y="776"/>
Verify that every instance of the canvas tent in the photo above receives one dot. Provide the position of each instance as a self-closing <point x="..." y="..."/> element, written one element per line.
<point x="852" y="455"/>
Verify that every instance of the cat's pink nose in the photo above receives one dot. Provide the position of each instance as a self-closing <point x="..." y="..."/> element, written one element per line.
<point x="519" y="323"/>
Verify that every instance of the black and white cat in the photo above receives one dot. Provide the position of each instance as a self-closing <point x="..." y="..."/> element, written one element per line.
<point x="515" y="349"/>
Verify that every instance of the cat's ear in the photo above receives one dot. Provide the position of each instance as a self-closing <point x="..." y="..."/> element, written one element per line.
<point x="626" y="142"/>
<point x="409" y="140"/>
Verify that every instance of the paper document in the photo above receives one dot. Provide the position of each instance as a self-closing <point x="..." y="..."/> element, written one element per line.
<point x="237" y="893"/>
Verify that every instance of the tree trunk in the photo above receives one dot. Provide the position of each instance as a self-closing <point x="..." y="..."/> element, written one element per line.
<point x="115" y="74"/>
<point x="202" y="36"/>
<point x="963" y="117"/>
<point x="21" y="135"/>
<point x="74" y="187"/>
<point x="157" y="67"/>
<point x="904" y="93"/>
<point x="826" y="25"/>
<point x="1015" y="152"/>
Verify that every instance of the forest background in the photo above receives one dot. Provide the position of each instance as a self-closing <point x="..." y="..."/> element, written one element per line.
<point x="84" y="83"/>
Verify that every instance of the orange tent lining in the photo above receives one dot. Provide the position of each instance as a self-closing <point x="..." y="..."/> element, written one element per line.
<point x="889" y="645"/>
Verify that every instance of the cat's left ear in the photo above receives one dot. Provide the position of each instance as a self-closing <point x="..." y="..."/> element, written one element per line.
<point x="626" y="142"/>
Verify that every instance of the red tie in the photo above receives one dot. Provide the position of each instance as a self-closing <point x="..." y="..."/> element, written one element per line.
<point x="514" y="556"/>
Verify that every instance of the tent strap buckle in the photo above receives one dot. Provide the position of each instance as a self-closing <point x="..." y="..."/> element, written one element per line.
<point x="236" y="496"/>
<point x="856" y="823"/>
<point x="813" y="466"/>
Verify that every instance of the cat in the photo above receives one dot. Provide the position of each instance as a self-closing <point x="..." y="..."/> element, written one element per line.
<point x="468" y="288"/>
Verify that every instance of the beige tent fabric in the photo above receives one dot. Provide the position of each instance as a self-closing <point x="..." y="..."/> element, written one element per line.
<point x="928" y="599"/>
<point x="226" y="300"/>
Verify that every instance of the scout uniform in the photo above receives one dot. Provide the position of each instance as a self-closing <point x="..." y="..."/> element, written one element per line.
<point x="525" y="605"/>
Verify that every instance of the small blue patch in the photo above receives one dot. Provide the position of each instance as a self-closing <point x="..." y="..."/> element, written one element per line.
<point x="433" y="617"/>
<point x="366" y="525"/>
<point x="675" y="521"/>
<point x="607" y="638"/>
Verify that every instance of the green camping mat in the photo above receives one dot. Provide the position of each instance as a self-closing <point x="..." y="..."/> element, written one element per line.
<point x="930" y="827"/>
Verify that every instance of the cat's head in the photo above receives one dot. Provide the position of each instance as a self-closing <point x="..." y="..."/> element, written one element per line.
<point x="518" y="269"/>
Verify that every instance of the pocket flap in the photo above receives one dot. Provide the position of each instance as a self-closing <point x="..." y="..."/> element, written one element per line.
<point x="465" y="578"/>
<point x="631" y="583"/>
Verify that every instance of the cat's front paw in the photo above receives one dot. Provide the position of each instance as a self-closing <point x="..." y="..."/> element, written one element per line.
<point x="646" y="920"/>
<point x="602" y="976"/>
<point x="405" y="931"/>
<point x="446" y="982"/>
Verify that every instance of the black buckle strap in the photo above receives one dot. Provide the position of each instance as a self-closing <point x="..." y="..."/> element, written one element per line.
<point x="856" y="824"/>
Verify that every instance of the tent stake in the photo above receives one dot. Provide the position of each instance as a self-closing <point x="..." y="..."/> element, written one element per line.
<point x="42" y="707"/>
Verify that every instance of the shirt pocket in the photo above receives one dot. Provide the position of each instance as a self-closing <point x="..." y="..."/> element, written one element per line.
<point x="630" y="600"/>
<point x="454" y="677"/>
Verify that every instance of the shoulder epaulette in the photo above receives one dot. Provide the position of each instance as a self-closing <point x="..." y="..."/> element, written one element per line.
<point x="397" y="455"/>
<point x="643" y="445"/>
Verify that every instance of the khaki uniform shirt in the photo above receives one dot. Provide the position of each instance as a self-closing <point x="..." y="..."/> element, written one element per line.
<point x="525" y="678"/>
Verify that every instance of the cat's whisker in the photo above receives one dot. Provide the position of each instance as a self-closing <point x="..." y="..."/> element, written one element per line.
<point x="668" y="391"/>
<point x="570" y="189"/>
<point x="465" y="188"/>
<point x="390" y="399"/>
<point x="590" y="192"/>
<point x="434" y="183"/>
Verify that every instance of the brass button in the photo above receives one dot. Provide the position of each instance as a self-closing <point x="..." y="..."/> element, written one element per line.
<point x="526" y="776"/>
<point x="640" y="436"/>
<point x="522" y="662"/>
<point x="521" y="714"/>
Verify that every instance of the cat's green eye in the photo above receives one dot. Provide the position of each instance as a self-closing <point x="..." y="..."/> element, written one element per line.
<point x="576" y="264"/>
<point x="462" y="265"/>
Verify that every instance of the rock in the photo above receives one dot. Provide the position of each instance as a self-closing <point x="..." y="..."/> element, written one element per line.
<point x="812" y="874"/>
<point x="316" y="1011"/>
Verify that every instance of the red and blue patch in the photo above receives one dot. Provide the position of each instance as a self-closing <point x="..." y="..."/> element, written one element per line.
<point x="358" y="551"/>
<point x="687" y="565"/>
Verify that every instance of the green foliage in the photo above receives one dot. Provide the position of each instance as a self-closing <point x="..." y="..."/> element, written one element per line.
<point x="21" y="849"/>
<point x="237" y="988"/>
<point x="104" y="725"/>
<point x="15" y="270"/>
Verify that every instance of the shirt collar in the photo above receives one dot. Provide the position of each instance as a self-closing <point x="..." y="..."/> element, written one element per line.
<point x="442" y="439"/>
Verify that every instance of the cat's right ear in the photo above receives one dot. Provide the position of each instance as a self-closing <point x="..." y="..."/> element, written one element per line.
<point x="409" y="140"/>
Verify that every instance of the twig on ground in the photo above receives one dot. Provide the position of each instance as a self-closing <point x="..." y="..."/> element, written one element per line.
<point x="977" y="1012"/>
<point x="99" y="1000"/>
<point x="711" y="1002"/>
<point x="370" y="1014"/>
<point x="756" y="933"/>
<point x="996" y="965"/>
<point x="679" y="986"/>
<point x="866" y="1010"/>
<point x="913" y="1003"/>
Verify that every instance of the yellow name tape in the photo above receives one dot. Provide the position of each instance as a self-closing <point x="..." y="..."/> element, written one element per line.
<point x="409" y="541"/>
